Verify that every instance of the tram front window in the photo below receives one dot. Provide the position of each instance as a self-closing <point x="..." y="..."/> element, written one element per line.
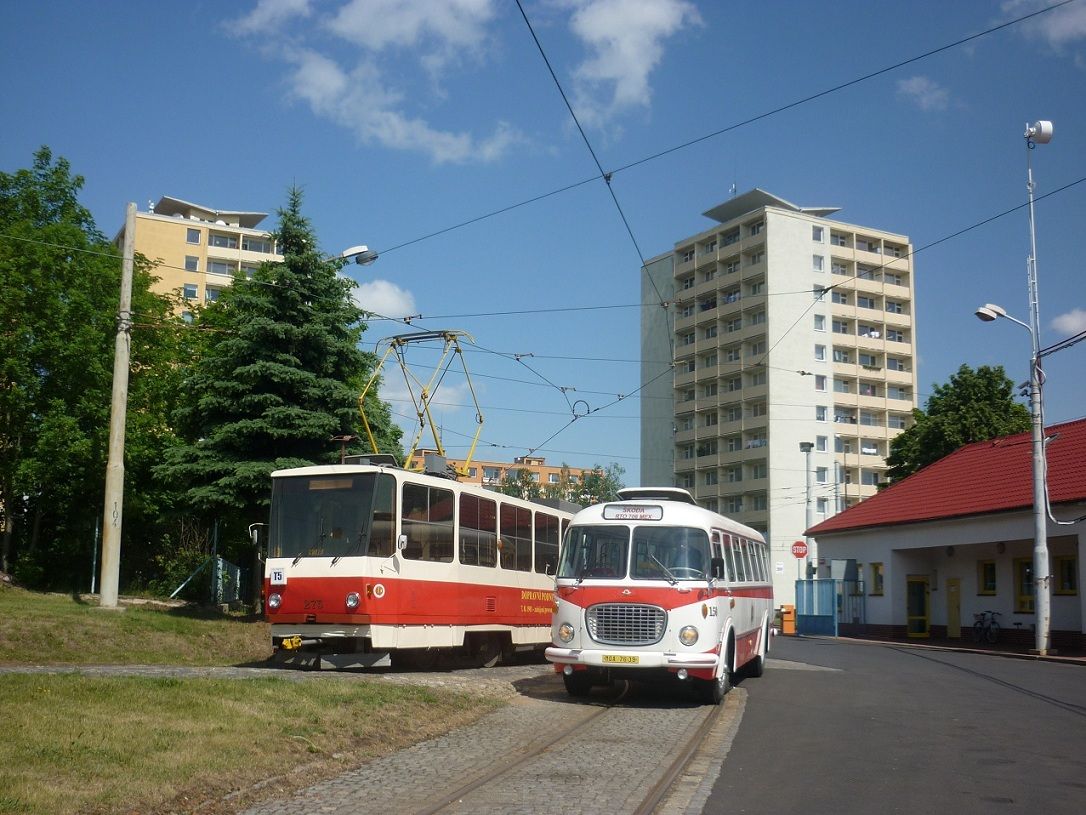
<point x="595" y="552"/>
<point x="670" y="553"/>
<point x="332" y="516"/>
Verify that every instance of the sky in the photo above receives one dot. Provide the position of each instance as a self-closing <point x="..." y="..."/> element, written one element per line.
<point x="408" y="124"/>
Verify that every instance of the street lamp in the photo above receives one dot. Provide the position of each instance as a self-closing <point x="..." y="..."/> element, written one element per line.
<point x="1038" y="133"/>
<point x="806" y="447"/>
<point x="362" y="255"/>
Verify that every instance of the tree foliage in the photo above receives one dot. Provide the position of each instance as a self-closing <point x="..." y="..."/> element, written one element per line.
<point x="973" y="406"/>
<point x="59" y="291"/>
<point x="593" y="487"/>
<point x="277" y="379"/>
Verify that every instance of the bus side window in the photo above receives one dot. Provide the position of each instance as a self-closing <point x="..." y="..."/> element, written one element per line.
<point x="717" y="553"/>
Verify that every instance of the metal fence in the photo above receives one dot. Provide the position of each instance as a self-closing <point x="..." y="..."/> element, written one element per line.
<point x="821" y="605"/>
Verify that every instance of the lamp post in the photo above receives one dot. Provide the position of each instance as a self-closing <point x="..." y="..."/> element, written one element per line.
<point x="1038" y="133"/>
<point x="362" y="255"/>
<point x="806" y="447"/>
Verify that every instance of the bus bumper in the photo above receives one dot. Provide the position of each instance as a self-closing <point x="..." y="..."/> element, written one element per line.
<point x="645" y="659"/>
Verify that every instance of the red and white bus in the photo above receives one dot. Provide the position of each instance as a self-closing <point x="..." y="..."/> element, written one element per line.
<point x="654" y="584"/>
<point x="369" y="564"/>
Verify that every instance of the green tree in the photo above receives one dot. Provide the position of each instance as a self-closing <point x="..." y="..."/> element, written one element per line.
<point x="279" y="377"/>
<point x="59" y="289"/>
<point x="973" y="406"/>
<point x="600" y="484"/>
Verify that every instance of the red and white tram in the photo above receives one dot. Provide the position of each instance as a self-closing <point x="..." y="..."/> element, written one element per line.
<point x="369" y="563"/>
<point x="653" y="583"/>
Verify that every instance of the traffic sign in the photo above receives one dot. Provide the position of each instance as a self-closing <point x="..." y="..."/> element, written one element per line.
<point x="799" y="549"/>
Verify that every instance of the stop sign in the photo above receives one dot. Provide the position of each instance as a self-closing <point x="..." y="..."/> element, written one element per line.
<point x="799" y="549"/>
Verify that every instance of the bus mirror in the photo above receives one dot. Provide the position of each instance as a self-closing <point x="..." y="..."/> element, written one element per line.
<point x="401" y="543"/>
<point x="716" y="568"/>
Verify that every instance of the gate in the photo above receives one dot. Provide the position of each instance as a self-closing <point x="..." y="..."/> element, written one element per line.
<point x="822" y="604"/>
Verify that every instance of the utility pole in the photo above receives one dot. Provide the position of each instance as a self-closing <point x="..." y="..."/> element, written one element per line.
<point x="114" y="499"/>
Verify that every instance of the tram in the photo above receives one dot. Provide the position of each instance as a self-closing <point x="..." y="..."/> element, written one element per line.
<point x="653" y="584"/>
<point x="369" y="564"/>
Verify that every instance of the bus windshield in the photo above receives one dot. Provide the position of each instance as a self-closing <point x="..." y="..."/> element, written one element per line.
<point x="595" y="551"/>
<point x="670" y="553"/>
<point x="332" y="516"/>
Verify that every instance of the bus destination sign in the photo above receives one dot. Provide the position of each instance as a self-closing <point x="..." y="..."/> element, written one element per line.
<point x="632" y="512"/>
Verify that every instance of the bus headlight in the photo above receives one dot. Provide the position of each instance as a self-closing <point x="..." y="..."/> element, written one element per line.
<point x="565" y="632"/>
<point x="688" y="635"/>
<point x="274" y="601"/>
<point x="352" y="600"/>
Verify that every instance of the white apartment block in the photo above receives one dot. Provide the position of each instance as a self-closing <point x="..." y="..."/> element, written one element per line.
<point x="785" y="326"/>
<point x="198" y="250"/>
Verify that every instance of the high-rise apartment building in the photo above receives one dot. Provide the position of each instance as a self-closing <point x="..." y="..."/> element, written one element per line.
<point x="786" y="327"/>
<point x="198" y="249"/>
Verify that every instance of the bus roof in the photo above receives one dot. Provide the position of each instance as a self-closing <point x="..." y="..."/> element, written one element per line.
<point x="656" y="494"/>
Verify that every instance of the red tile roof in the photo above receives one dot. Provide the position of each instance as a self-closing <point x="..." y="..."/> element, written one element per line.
<point x="980" y="478"/>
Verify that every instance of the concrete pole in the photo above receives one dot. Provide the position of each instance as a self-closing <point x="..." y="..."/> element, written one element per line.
<point x="812" y="558"/>
<point x="114" y="497"/>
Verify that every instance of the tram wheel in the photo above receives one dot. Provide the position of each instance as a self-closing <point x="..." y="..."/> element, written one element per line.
<point x="578" y="683"/>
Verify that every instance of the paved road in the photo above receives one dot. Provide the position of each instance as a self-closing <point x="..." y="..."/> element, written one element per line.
<point x="887" y="728"/>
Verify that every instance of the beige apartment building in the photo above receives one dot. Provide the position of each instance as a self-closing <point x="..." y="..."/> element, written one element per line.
<point x="199" y="249"/>
<point x="787" y="328"/>
<point x="494" y="473"/>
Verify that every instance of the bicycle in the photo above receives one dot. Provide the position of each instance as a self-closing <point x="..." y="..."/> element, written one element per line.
<point x="986" y="626"/>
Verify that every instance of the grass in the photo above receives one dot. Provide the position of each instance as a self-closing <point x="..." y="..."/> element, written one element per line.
<point x="101" y="744"/>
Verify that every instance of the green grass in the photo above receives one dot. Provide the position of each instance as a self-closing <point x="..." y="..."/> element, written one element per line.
<point x="99" y="744"/>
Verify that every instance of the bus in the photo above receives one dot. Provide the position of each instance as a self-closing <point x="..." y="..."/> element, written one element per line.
<point x="370" y="565"/>
<point x="654" y="585"/>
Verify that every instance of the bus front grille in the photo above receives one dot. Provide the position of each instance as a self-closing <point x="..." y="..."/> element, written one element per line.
<point x="626" y="623"/>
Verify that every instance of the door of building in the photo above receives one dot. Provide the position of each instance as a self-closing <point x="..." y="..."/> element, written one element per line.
<point x="953" y="607"/>
<point x="916" y="609"/>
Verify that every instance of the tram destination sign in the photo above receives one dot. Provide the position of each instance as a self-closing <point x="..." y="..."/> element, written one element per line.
<point x="632" y="512"/>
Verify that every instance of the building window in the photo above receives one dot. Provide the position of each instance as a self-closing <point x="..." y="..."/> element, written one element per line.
<point x="820" y="353"/>
<point x="192" y="263"/>
<point x="711" y="478"/>
<point x="710" y="389"/>
<point x="732" y="354"/>
<point x="876" y="579"/>
<point x="687" y="339"/>
<point x="986" y="577"/>
<point x="817" y="263"/>
<point x="1023" y="585"/>
<point x="687" y="310"/>
<point x="839" y="297"/>
<point x="257" y="245"/>
<point x="865" y="302"/>
<point x="819" y="292"/>
<point x="686" y="481"/>
<point x="220" y="267"/>
<point x="190" y="291"/>
<point x="894" y="307"/>
<point x="211" y="294"/>
<point x="686" y="451"/>
<point x="822" y="475"/>
<point x="756" y="229"/>
<point x="687" y="256"/>
<point x="894" y="335"/>
<point x="686" y="366"/>
<point x="816" y="234"/>
<point x="820" y="322"/>
<point x="193" y="236"/>
<point x="820" y="382"/>
<point x="820" y="413"/>
<point x="688" y="283"/>
<point x="223" y="241"/>
<point x="841" y="327"/>
<point x="757" y="288"/>
<point x="823" y="505"/>
<point x="756" y="257"/>
<point x="710" y="419"/>
<point x="733" y="444"/>
<point x="710" y="332"/>
<point x="759" y="470"/>
<point x="1065" y="568"/>
<point x="842" y="356"/>
<point x="821" y="443"/>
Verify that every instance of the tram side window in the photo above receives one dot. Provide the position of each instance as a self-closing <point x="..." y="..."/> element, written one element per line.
<point x="428" y="523"/>
<point x="383" y="526"/>
<point x="478" y="531"/>
<point x="516" y="538"/>
<point x="546" y="543"/>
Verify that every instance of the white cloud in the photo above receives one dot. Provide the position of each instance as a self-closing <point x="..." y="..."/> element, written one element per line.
<point x="384" y="299"/>
<point x="1073" y="322"/>
<point x="924" y="93"/>
<point x="625" y="40"/>
<point x="269" y="15"/>
<point x="354" y="91"/>
<point x="1059" y="28"/>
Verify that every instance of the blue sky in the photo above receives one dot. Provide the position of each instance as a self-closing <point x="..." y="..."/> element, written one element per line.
<point x="402" y="119"/>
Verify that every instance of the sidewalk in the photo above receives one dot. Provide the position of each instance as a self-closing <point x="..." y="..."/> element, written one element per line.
<point x="1072" y="657"/>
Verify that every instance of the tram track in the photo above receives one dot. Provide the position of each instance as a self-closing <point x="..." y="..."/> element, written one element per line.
<point x="547" y="763"/>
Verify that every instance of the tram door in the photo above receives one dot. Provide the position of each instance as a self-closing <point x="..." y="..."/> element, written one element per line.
<point x="917" y="606"/>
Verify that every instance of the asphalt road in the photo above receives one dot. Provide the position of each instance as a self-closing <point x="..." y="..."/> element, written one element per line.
<point x="841" y="727"/>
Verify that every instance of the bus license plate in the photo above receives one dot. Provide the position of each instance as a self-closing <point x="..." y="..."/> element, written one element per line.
<point x="621" y="659"/>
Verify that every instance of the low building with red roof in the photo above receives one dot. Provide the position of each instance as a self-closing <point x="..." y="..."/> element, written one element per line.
<point x="956" y="539"/>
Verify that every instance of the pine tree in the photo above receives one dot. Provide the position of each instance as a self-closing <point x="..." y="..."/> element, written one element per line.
<point x="278" y="378"/>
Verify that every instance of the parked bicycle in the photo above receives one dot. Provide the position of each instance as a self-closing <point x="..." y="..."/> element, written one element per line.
<point x="986" y="627"/>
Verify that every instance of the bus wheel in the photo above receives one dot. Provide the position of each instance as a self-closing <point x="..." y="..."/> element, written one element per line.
<point x="578" y="683"/>
<point x="756" y="667"/>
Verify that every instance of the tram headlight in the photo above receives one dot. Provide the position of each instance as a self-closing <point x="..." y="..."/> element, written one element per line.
<point x="565" y="632"/>
<point x="688" y="635"/>
<point x="274" y="601"/>
<point x="353" y="600"/>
